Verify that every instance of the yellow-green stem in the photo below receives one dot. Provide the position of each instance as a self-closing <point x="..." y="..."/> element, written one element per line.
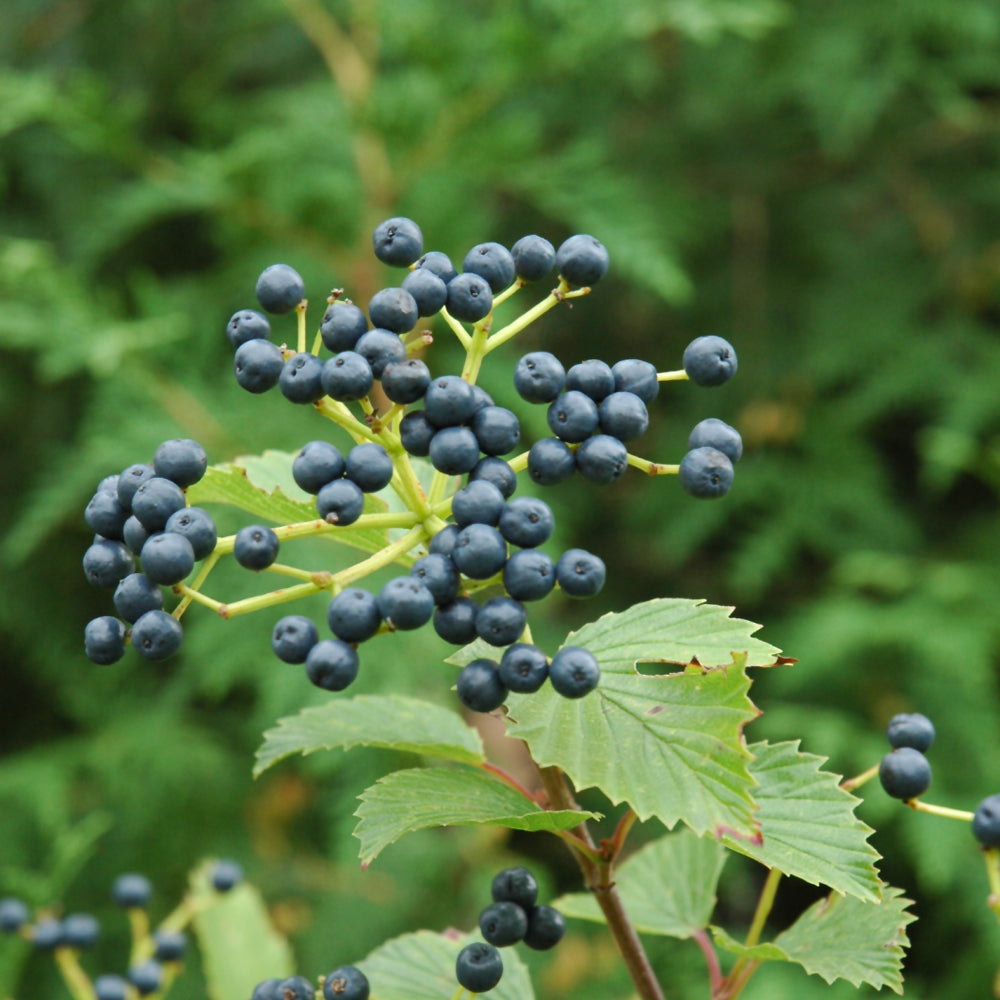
<point x="653" y="468"/>
<point x="77" y="981"/>
<point x="515" y="326"/>
<point x="858" y="780"/>
<point x="946" y="811"/>
<point x="300" y="316"/>
<point x="678" y="376"/>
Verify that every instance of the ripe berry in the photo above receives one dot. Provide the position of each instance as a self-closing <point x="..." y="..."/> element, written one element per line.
<point x="405" y="603"/>
<point x="340" y="502"/>
<point x="257" y="365"/>
<point x="479" y="686"/>
<point x="266" y="989"/>
<point x="574" y="672"/>
<point x="280" y="289"/>
<point x="449" y="400"/>
<point x="292" y="638"/>
<point x="910" y="729"/>
<point x="155" y="500"/>
<point x="398" y="242"/>
<point x="347" y="376"/>
<point x="496" y="471"/>
<point x="456" y="622"/>
<point x="523" y="668"/>
<point x="517" y="885"/>
<point x="80" y="930"/>
<point x="497" y="430"/>
<point x="546" y="927"/>
<point x="503" y="924"/>
<point x="226" y="875"/>
<point x="170" y="945"/>
<point x="197" y="526"/>
<point x="469" y="297"/>
<point x="478" y="503"/>
<point x="146" y="977"/>
<point x="135" y="535"/>
<point x="438" y="263"/>
<point x="332" y="664"/>
<point x="572" y="416"/>
<point x="14" y="914"/>
<point x="479" y="967"/>
<point x="444" y="541"/>
<point x="706" y="473"/>
<point x="602" y="459"/>
<point x="582" y="260"/>
<point x="415" y="433"/>
<point x="905" y="773"/>
<point x="167" y="558"/>
<point x="380" y="348"/>
<point x="316" y="464"/>
<point x="130" y="479"/>
<point x="501" y="621"/>
<point x="110" y="987"/>
<point x="454" y="450"/>
<point x="710" y="361"/>
<point x="529" y="575"/>
<point x="534" y="257"/>
<point x="106" y="562"/>
<point x="539" y="377"/>
<point x="580" y="573"/>
<point x="353" y="615"/>
<point x="593" y="378"/>
<point x="47" y="934"/>
<point x="526" y="522"/>
<point x="429" y="291"/>
<point x="438" y="574"/>
<point x="550" y="461"/>
<point x="181" y="460"/>
<point x="623" y="415"/>
<point x="343" y="323"/>
<point x="393" y="309"/>
<point x="634" y="375"/>
<point x="136" y="595"/>
<point x="157" y="635"/>
<point x="493" y="262"/>
<point x="986" y="822"/>
<point x="346" y="983"/>
<point x="295" y="988"/>
<point x="255" y="547"/>
<point x="106" y="515"/>
<point x="405" y="381"/>
<point x="247" y="324"/>
<point x="480" y="551"/>
<point x="369" y="467"/>
<point x="104" y="640"/>
<point x="132" y="890"/>
<point x="301" y="378"/>
<point x="715" y="433"/>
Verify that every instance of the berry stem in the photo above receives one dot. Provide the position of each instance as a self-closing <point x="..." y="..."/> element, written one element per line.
<point x="653" y="468"/>
<point x="477" y="350"/>
<point x="138" y="922"/>
<point x="268" y="600"/>
<point x="300" y="316"/>
<point x="949" y="813"/>
<point x="858" y="780"/>
<point x="509" y="291"/>
<point x="196" y="584"/>
<point x="456" y="327"/>
<point x="336" y="411"/>
<point x="282" y="569"/>
<point x="991" y="856"/>
<point x="77" y="981"/>
<point x="678" y="376"/>
<point x="515" y="326"/>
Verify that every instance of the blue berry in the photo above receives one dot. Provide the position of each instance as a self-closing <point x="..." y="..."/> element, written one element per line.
<point x="438" y="574"/>
<point x="529" y="575"/>
<point x="130" y="479"/>
<point x="316" y="464"/>
<point x="132" y="890"/>
<point x="572" y="416"/>
<point x="136" y="595"/>
<point x="438" y="263"/>
<point x="257" y="365"/>
<point x="623" y="415"/>
<point x="904" y="773"/>
<point x="380" y="348"/>
<point x="710" y="361"/>
<point x="449" y="400"/>
<point x="469" y="297"/>
<point x="495" y="470"/>
<point x="332" y="664"/>
<point x="444" y="540"/>
<point x="582" y="260"/>
<point x="539" y="377"/>
<point x="593" y="378"/>
<point x="415" y="433"/>
<point x="347" y="376"/>
<point x="135" y="534"/>
<point x="14" y="914"/>
<point x="181" y="460"/>
<point x="343" y="323"/>
<point x="516" y="885"/>
<point x="346" y="983"/>
<point x="295" y="988"/>
<point x="602" y="459"/>
<point x="104" y="640"/>
<point x="580" y="573"/>
<point x="497" y="430"/>
<point x="280" y="289"/>
<point x="255" y="547"/>
<point x="534" y="257"/>
<point x="369" y="466"/>
<point x="110" y="987"/>
<point x="706" y="473"/>
<point x="398" y="241"/>
<point x="454" y="450"/>
<point x="47" y="934"/>
<point x="80" y="930"/>
<point x="526" y="522"/>
<point x="146" y="977"/>
<point x="574" y="672"/>
<point x="105" y="514"/>
<point x="634" y="375"/>
<point x="717" y="434"/>
<point x="986" y="822"/>
<point x="405" y="381"/>
<point x="167" y="558"/>
<point x="523" y="668"/>
<point x="429" y="291"/>
<point x="503" y="924"/>
<point x="169" y="945"/>
<point x="478" y="503"/>
<point x="910" y="729"/>
<point x="550" y="461"/>
<point x="225" y="875"/>
<point x="501" y="621"/>
<point x="340" y="502"/>
<point x="353" y="615"/>
<point x="301" y="379"/>
<point x="405" y="603"/>
<point x="456" y="622"/>
<point x="197" y="526"/>
<point x="479" y="686"/>
<point x="247" y="324"/>
<point x="157" y="635"/>
<point x="292" y="638"/>
<point x="393" y="309"/>
<point x="546" y="927"/>
<point x="478" y="967"/>
<point x="155" y="500"/>
<point x="106" y="562"/>
<point x="493" y="262"/>
<point x="480" y="551"/>
<point x="267" y="989"/>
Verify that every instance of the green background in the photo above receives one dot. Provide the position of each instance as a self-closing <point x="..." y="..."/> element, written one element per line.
<point x="817" y="182"/>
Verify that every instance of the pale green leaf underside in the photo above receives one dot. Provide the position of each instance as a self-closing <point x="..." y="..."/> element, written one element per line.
<point x="423" y="797"/>
<point x="808" y="823"/>
<point x="670" y="744"/>
<point x="668" y="886"/>
<point x="421" y="966"/>
<point x="392" y="722"/>
<point x="238" y="943"/>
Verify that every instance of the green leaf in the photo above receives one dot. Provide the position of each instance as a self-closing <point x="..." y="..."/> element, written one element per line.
<point x="843" y="938"/>
<point x="808" y="823"/>
<point x="392" y="722"/>
<point x="670" y="745"/>
<point x="238" y="943"/>
<point x="423" y="797"/>
<point x="421" y="966"/>
<point x="765" y="952"/>
<point x="668" y="886"/>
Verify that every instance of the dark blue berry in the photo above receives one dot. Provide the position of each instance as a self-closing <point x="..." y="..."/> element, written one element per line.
<point x="438" y="263"/>
<point x="110" y="987"/>
<point x="438" y="574"/>
<point x="904" y="773"/>
<point x="146" y="977"/>
<point x="393" y="309"/>
<point x="295" y="988"/>
<point x="247" y="324"/>
<point x="623" y="415"/>
<point x="516" y="885"/>
<point x="539" y="377"/>
<point x="523" y="668"/>
<point x="529" y="575"/>
<point x="986" y="822"/>
<point x="136" y="595"/>
<point x="910" y="729"/>
<point x="135" y="534"/>
<point x="706" y="473"/>
<point x="546" y="927"/>
<point x="47" y="934"/>
<point x="580" y="573"/>
<point x="332" y="664"/>
<point x="479" y="686"/>
<point x="478" y="967"/>
<point x="634" y="375"/>
<point x="267" y="989"/>
<point x="346" y="983"/>
<point x="197" y="526"/>
<point x="347" y="376"/>
<point x="710" y="361"/>
<point x="80" y="930"/>
<point x="292" y="638"/>
<point x="343" y="323"/>
<point x="280" y="288"/>
<point x="469" y="297"/>
<point x="503" y="924"/>
<point x="493" y="262"/>
<point x="255" y="547"/>
<point x="496" y="471"/>
<point x="14" y="914"/>
<point x="456" y="622"/>
<point x="104" y="640"/>
<point x="444" y="540"/>
<point x="398" y="241"/>
<point x="602" y="459"/>
<point x="478" y="503"/>
<point x="130" y="479"/>
<point x="574" y="672"/>
<point x="167" y="558"/>
<point x="454" y="450"/>
<point x="155" y="500"/>
<point x="340" y="502"/>
<point x="301" y="379"/>
<point x="353" y="615"/>
<point x="105" y="514"/>
<point x="106" y="562"/>
<point x="369" y="466"/>
<point x="497" y="430"/>
<point x="501" y="621"/>
<point x="405" y="603"/>
<point x="405" y="381"/>
<point x="717" y="434"/>
<point x="582" y="260"/>
<point x="550" y="461"/>
<point x="225" y="875"/>
<point x="480" y="551"/>
<point x="572" y="416"/>
<point x="449" y="400"/>
<point x="132" y="890"/>
<point x="534" y="257"/>
<point x="316" y="464"/>
<point x="180" y="460"/>
<point x="428" y="290"/>
<point x="416" y="432"/>
<point x="593" y="378"/>
<point x="257" y="365"/>
<point x="157" y="635"/>
<point x="380" y="348"/>
<point x="526" y="522"/>
<point x="170" y="945"/>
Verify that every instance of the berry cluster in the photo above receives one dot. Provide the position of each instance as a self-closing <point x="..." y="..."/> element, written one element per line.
<point x="514" y="915"/>
<point x="346" y="982"/>
<point x="905" y="772"/>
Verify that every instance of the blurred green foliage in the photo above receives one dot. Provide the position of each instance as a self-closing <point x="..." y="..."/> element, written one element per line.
<point x="820" y="183"/>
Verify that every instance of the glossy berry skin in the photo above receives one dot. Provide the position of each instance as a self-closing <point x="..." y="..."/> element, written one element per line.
<point x="497" y="430"/>
<point x="266" y="989"/>
<point x="316" y="464"/>
<point x="47" y="934"/>
<point x="130" y="479"/>
<point x="405" y="381"/>
<point x="905" y="773"/>
<point x="550" y="461"/>
<point x="623" y="415"/>
<point x="393" y="309"/>
<point x="546" y="927"/>
<point x="14" y="914"/>
<point x="710" y="361"/>
<point x="146" y="977"/>
<point x="416" y="432"/>
<point x="580" y="573"/>
<point x="340" y="502"/>
<point x="478" y="503"/>
<point x="456" y="622"/>
<point x="380" y="348"/>
<point x="534" y="257"/>
<point x="428" y="290"/>
<point x="226" y="875"/>
<point x="986" y="822"/>
<point x="438" y="263"/>
<point x="478" y="967"/>
<point x="257" y="366"/>
<point x="593" y="378"/>
<point x="517" y="885"/>
<point x="135" y="535"/>
<point x="106" y="515"/>
<point x="480" y="551"/>
<point x="445" y="540"/>
<point x="369" y="467"/>
<point x="295" y="988"/>
<point x="454" y="450"/>
<point x="635" y="375"/>
<point x="347" y="376"/>
<point x="346" y="983"/>
<point x="155" y="500"/>
<point x="301" y="379"/>
<point x="292" y="638"/>
<point x="572" y="416"/>
<point x="398" y="241"/>
<point x="602" y="459"/>
<point x="197" y="526"/>
<point x="449" y="401"/>
<point x="169" y="945"/>
<point x="495" y="470"/>
<point x="523" y="669"/>
<point x="503" y="924"/>
<point x="110" y="987"/>
<point x="255" y="547"/>
<point x="167" y="558"/>
<point x="910" y="729"/>
<point x="526" y="522"/>
<point x="343" y="323"/>
<point x="332" y="664"/>
<point x="247" y="324"/>
<point x="491" y="261"/>
<point x="157" y="635"/>
<point x="136" y="595"/>
<point x="405" y="603"/>
<point x="80" y="930"/>
<point x="582" y="260"/>
<point x="280" y="289"/>
<point x="539" y="377"/>
<point x="132" y="890"/>
<point x="574" y="672"/>
<point x="529" y="575"/>
<point x="106" y="562"/>
<point x="706" y="473"/>
<point x="180" y="460"/>
<point x="715" y="433"/>
<point x="438" y="574"/>
<point x="104" y="640"/>
<point x="470" y="298"/>
<point x="501" y="621"/>
<point x="353" y="615"/>
<point x="479" y="686"/>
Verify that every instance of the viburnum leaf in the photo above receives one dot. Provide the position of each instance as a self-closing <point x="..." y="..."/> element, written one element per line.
<point x="669" y="744"/>
<point x="763" y="952"/>
<point x="393" y="722"/>
<point x="668" y="886"/>
<point x="421" y="966"/>
<point x="423" y="797"/>
<point x="808" y="823"/>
